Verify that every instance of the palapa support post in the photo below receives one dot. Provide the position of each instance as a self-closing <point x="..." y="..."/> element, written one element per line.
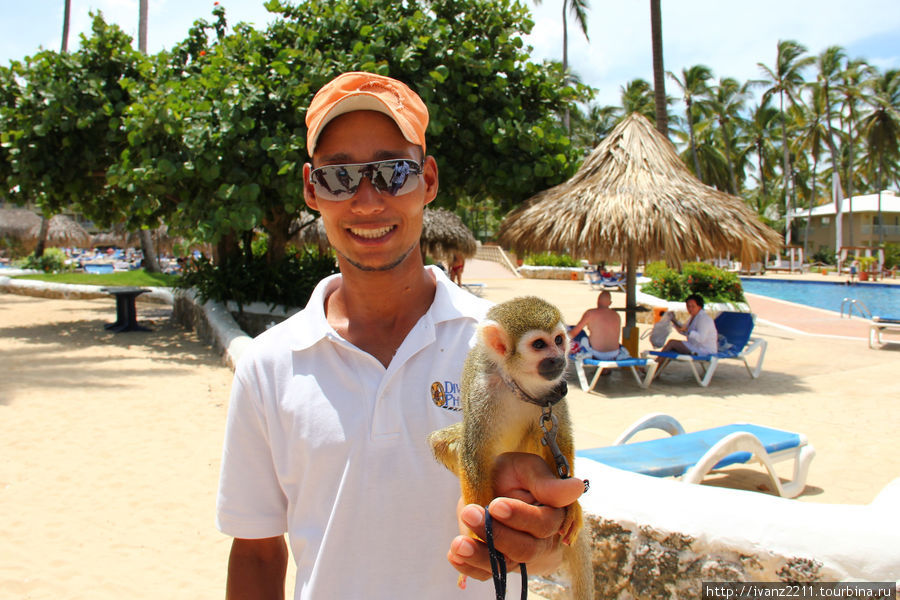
<point x="630" y="339"/>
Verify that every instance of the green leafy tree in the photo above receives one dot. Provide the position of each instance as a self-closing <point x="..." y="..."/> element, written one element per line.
<point x="64" y="132"/>
<point x="812" y="139"/>
<point x="219" y="139"/>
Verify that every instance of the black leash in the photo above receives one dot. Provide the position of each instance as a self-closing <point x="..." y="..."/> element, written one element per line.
<point x="498" y="563"/>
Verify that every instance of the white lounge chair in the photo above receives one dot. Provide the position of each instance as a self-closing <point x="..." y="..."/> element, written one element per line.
<point x="580" y="360"/>
<point x="880" y="325"/>
<point x="691" y="456"/>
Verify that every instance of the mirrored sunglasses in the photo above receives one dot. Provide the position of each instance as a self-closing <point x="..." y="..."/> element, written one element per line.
<point x="340" y="182"/>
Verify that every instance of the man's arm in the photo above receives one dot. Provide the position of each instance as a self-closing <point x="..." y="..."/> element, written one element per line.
<point x="580" y="325"/>
<point x="256" y="569"/>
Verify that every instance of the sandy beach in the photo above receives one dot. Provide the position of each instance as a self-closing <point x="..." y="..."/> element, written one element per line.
<point x="110" y="443"/>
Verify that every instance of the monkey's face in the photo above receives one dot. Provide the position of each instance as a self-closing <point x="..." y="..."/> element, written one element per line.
<point x="542" y="354"/>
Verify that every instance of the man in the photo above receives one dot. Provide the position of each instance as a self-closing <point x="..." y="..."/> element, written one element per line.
<point x="329" y="413"/>
<point x="702" y="337"/>
<point x="603" y="325"/>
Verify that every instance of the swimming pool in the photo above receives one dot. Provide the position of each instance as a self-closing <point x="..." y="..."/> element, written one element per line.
<point x="881" y="298"/>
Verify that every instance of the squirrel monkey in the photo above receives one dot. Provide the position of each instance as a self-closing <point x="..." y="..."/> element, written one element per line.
<point x="513" y="373"/>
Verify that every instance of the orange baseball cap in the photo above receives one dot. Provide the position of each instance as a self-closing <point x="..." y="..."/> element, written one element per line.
<point x="367" y="91"/>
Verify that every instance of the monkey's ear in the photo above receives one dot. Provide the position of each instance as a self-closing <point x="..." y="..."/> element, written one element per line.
<point x="496" y="340"/>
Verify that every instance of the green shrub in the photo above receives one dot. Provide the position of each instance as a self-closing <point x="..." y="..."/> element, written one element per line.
<point x="712" y="283"/>
<point x="243" y="279"/>
<point x="548" y="259"/>
<point x="52" y="261"/>
<point x="891" y="255"/>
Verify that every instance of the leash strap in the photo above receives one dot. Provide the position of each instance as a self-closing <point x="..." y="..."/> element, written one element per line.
<point x="498" y="562"/>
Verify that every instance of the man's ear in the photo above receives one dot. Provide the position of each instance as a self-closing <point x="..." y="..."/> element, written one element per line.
<point x="430" y="175"/>
<point x="309" y="192"/>
<point x="496" y="340"/>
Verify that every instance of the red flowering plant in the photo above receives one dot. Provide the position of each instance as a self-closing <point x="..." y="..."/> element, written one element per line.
<point x="712" y="283"/>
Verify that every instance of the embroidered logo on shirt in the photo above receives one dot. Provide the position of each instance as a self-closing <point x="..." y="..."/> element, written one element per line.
<point x="446" y="395"/>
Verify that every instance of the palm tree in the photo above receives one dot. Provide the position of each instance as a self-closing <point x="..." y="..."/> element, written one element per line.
<point x="727" y="103"/>
<point x="693" y="85"/>
<point x="579" y="9"/>
<point x="813" y="137"/>
<point x="785" y="78"/>
<point x="150" y="261"/>
<point x="758" y="137"/>
<point x="851" y="92"/>
<point x="659" y="72"/>
<point x="881" y="130"/>
<point x="638" y="96"/>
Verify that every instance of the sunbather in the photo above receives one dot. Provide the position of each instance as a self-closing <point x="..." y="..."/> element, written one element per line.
<point x="700" y="330"/>
<point x="603" y="326"/>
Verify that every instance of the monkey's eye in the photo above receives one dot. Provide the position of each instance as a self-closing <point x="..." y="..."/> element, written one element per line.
<point x="559" y="340"/>
<point x="539" y="344"/>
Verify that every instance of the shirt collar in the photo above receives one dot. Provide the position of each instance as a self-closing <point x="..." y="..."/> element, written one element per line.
<point x="451" y="302"/>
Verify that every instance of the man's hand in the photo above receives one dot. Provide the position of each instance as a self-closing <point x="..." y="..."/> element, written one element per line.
<point x="527" y="515"/>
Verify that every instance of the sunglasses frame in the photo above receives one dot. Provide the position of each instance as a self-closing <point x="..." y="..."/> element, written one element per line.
<point x="367" y="171"/>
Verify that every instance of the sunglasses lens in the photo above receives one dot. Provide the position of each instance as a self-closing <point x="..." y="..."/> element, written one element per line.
<point x="396" y="178"/>
<point x="340" y="182"/>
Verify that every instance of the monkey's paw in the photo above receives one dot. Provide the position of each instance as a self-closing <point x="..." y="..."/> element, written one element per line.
<point x="571" y="524"/>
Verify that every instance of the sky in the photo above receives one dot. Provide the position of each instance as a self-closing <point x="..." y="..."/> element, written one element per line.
<point x="729" y="37"/>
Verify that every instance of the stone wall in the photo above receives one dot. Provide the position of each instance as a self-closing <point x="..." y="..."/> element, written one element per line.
<point x="658" y="538"/>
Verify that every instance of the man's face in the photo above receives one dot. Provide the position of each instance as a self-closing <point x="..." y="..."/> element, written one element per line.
<point x="372" y="230"/>
<point x="692" y="307"/>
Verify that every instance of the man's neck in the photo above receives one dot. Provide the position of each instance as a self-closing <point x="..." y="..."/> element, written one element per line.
<point x="375" y="310"/>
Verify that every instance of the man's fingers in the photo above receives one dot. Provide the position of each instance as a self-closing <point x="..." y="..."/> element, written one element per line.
<point x="470" y="558"/>
<point x="521" y="531"/>
<point x="529" y="478"/>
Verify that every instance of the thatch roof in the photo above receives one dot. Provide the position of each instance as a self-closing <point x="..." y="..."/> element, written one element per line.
<point x="633" y="194"/>
<point x="62" y="230"/>
<point x="17" y="222"/>
<point x="444" y="234"/>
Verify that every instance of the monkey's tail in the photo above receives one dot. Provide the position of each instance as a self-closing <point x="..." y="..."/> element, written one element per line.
<point x="580" y="566"/>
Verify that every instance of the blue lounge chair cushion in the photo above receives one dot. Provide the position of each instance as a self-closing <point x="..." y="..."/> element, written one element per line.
<point x="672" y="456"/>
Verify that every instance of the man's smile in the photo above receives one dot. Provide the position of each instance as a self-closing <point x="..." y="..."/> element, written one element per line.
<point x="370" y="233"/>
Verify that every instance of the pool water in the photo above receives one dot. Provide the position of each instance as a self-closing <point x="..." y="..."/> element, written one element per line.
<point x="881" y="299"/>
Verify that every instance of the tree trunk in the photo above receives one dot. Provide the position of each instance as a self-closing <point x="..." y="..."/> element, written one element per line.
<point x="42" y="237"/>
<point x="65" y="32"/>
<point x="812" y="202"/>
<point x="226" y="247"/>
<point x="565" y="63"/>
<point x="659" y="72"/>
<point x="690" y="120"/>
<point x="726" y="145"/>
<point x="278" y="228"/>
<point x="787" y="172"/>
<point x="151" y="261"/>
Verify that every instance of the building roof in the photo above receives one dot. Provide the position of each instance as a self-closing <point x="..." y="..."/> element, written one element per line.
<point x="890" y="203"/>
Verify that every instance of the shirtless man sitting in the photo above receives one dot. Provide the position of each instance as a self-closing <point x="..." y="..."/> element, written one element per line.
<point x="603" y="326"/>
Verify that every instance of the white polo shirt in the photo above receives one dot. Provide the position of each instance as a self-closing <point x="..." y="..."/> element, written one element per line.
<point x="325" y="443"/>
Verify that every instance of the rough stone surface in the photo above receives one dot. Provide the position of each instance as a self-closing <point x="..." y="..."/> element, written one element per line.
<point x="642" y="562"/>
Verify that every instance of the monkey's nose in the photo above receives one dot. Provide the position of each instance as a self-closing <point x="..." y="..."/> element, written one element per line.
<point x="551" y="368"/>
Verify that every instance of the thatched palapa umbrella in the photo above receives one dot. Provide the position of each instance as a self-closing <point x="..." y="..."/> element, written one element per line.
<point x="444" y="234"/>
<point x="634" y="200"/>
<point x="63" y="231"/>
<point x="18" y="222"/>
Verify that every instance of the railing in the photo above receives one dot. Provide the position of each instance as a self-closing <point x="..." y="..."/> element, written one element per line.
<point x="887" y="230"/>
<point x="859" y="305"/>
